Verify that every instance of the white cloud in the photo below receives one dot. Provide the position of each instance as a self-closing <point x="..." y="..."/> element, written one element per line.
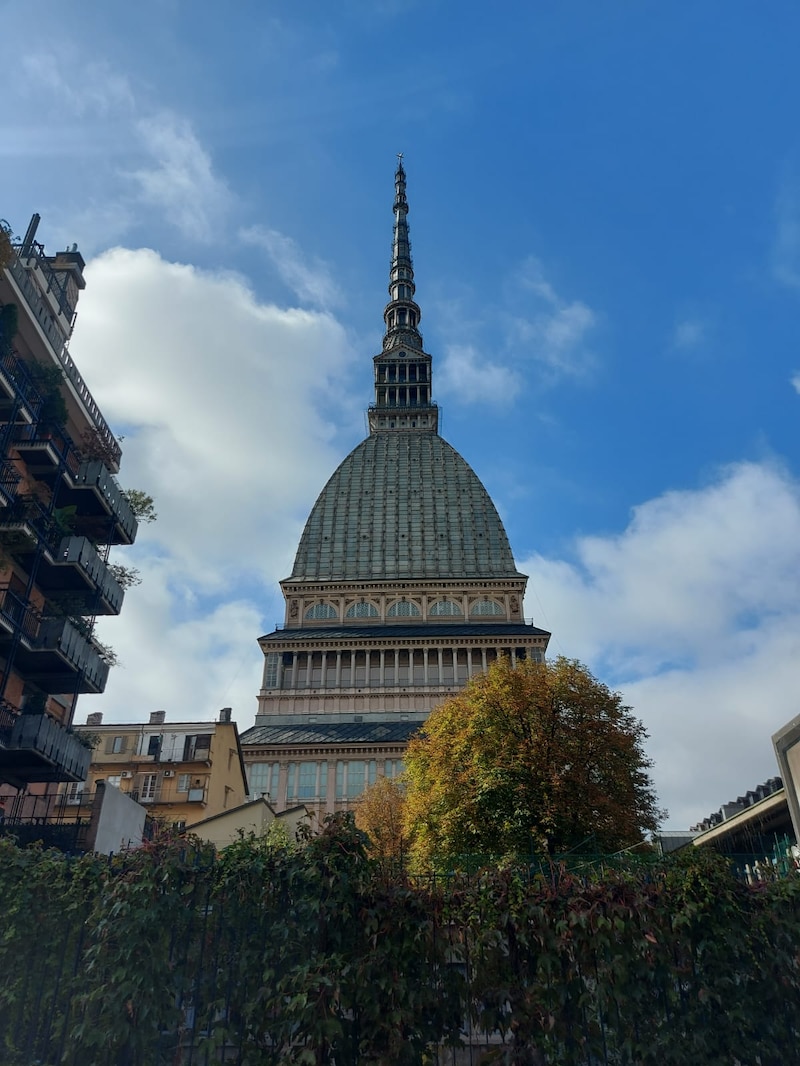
<point x="796" y="382"/>
<point x="82" y="87"/>
<point x="694" y="613"/>
<point x="310" y="282"/>
<point x="553" y="331"/>
<point x="181" y="182"/>
<point x="689" y="333"/>
<point x="222" y="400"/>
<point x="465" y="374"/>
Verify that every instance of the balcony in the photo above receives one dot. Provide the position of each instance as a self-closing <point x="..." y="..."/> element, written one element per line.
<point x="46" y="450"/>
<point x="52" y="653"/>
<point x="9" y="480"/>
<point x="19" y="398"/>
<point x="52" y="310"/>
<point x="61" y="659"/>
<point x="77" y="567"/>
<point x="94" y="491"/>
<point x="37" y="748"/>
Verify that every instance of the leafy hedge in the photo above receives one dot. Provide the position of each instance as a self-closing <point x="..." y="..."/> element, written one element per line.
<point x="272" y="954"/>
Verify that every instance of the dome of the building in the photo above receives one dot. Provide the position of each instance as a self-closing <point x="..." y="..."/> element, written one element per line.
<point x="403" y="505"/>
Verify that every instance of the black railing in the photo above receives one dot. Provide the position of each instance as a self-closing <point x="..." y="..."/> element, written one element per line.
<point x="49" y="436"/>
<point x="18" y="374"/>
<point x="57" y="334"/>
<point x="18" y="613"/>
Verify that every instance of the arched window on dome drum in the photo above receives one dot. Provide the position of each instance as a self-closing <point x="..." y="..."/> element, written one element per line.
<point x="362" y="610"/>
<point x="321" y="610"/>
<point x="485" y="607"/>
<point x="403" y="609"/>
<point x="443" y="608"/>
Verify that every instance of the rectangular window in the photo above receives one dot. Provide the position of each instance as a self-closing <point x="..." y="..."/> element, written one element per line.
<point x="147" y="788"/>
<point x="74" y="792"/>
<point x="197" y="747"/>
<point x="184" y="782"/>
<point x="307" y="780"/>
<point x="154" y="745"/>
<point x="356" y="779"/>
<point x="271" y="670"/>
<point x="115" y="780"/>
<point x="116" y="745"/>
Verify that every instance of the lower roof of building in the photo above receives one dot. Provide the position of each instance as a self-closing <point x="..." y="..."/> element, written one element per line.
<point x="501" y="632"/>
<point x="331" y="733"/>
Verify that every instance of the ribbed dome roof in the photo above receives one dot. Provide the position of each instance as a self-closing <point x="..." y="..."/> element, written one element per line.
<point x="403" y="505"/>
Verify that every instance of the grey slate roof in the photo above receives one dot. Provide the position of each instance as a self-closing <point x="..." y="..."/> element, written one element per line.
<point x="332" y="733"/>
<point x="503" y="631"/>
<point x="403" y="505"/>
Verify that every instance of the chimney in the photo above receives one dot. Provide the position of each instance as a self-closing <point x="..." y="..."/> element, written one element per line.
<point x="225" y="714"/>
<point x="95" y="718"/>
<point x="157" y="717"/>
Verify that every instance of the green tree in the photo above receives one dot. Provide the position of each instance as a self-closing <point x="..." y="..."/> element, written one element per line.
<point x="535" y="757"/>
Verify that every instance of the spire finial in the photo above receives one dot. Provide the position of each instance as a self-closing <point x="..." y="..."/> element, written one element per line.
<point x="402" y="314"/>
<point x="403" y="369"/>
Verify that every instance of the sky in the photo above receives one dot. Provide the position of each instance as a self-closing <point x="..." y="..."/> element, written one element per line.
<point x="605" y="219"/>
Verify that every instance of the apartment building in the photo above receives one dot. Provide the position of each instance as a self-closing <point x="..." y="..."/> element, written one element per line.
<point x="61" y="510"/>
<point x="182" y="772"/>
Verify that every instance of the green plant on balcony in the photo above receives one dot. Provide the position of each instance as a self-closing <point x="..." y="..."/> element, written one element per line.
<point x="126" y="576"/>
<point x="48" y="381"/>
<point x="141" y="504"/>
<point x="6" y="248"/>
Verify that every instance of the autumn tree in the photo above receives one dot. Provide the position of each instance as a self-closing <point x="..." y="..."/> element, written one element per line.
<point x="380" y="815"/>
<point x="531" y="758"/>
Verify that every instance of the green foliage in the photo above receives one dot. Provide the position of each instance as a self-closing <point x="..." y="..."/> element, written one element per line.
<point x="48" y="381"/>
<point x="276" y="954"/>
<point x="127" y="576"/>
<point x="142" y="505"/>
<point x="531" y="759"/>
<point x="9" y="318"/>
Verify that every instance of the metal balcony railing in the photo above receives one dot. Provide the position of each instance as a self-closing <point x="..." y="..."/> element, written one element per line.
<point x="16" y="373"/>
<point x="79" y="552"/>
<point x="41" y="736"/>
<point x="46" y="437"/>
<point x="95" y="474"/>
<point x="57" y="332"/>
<point x="18" y="614"/>
<point x="61" y="635"/>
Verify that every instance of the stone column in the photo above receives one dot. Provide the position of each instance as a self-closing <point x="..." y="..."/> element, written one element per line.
<point x="338" y="669"/>
<point x="294" y="669"/>
<point x="383" y="668"/>
<point x="483" y="659"/>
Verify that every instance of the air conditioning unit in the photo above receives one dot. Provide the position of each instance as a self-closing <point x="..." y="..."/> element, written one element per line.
<point x="169" y="773"/>
<point x="125" y="773"/>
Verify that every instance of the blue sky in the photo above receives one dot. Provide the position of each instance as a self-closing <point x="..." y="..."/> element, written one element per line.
<point x="605" y="216"/>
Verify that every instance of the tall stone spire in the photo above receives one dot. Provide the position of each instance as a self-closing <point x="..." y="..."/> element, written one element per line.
<point x="403" y="369"/>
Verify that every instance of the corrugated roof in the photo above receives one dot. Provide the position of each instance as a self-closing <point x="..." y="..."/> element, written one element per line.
<point x="332" y="733"/>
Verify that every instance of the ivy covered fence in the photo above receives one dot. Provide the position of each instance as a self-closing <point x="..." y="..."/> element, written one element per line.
<point x="271" y="954"/>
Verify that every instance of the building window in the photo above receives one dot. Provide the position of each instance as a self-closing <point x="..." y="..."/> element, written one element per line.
<point x="147" y="788"/>
<point x="486" y="607"/>
<point x="321" y="610"/>
<point x="393" y="768"/>
<point x="116" y="745"/>
<point x="306" y="781"/>
<point x="353" y="777"/>
<point x="362" y="610"/>
<point x="262" y="778"/>
<point x="74" y="793"/>
<point x="115" y="780"/>
<point x="271" y="670"/>
<point x="444" y="608"/>
<point x="184" y="782"/>
<point x="403" y="609"/>
<point x="154" y="746"/>
<point x="197" y="747"/>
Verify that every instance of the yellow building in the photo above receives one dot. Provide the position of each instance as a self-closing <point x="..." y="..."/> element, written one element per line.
<point x="182" y="772"/>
